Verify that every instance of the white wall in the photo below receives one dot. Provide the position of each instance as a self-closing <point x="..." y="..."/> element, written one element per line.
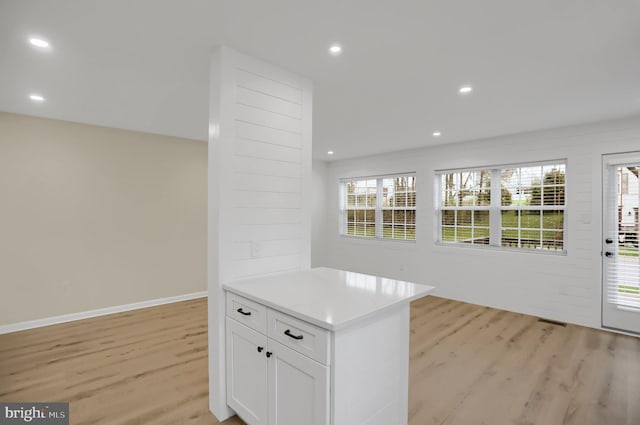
<point x="319" y="215"/>
<point x="566" y="288"/>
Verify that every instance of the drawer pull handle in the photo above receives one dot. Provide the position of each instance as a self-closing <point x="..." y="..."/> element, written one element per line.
<point x="244" y="313"/>
<point x="290" y="335"/>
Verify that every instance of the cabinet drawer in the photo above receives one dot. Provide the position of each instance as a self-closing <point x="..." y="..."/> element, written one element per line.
<point x="248" y="312"/>
<point x="299" y="335"/>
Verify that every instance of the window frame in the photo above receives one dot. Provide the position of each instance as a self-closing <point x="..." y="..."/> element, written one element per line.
<point x="379" y="208"/>
<point x="496" y="208"/>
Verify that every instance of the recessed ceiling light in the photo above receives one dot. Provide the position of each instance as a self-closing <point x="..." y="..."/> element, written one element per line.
<point x="335" y="49"/>
<point x="38" y="42"/>
<point x="330" y="153"/>
<point x="36" y="97"/>
<point x="465" y="89"/>
<point x="436" y="134"/>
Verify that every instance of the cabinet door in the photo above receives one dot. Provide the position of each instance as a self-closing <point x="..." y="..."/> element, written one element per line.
<point x="298" y="388"/>
<point x="246" y="373"/>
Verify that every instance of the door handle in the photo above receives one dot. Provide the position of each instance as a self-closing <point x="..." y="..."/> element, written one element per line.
<point x="290" y="335"/>
<point x="260" y="349"/>
<point x="608" y="241"/>
<point x="244" y="313"/>
<point x="608" y="254"/>
<point x="269" y="353"/>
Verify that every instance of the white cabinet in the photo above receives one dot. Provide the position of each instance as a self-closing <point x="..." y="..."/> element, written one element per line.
<point x="267" y="382"/>
<point x="297" y="388"/>
<point x="246" y="373"/>
<point x="319" y="347"/>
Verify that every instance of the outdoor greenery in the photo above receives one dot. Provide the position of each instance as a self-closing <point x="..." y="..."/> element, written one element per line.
<point x="629" y="289"/>
<point x="552" y="224"/>
<point x="628" y="251"/>
<point x="552" y="190"/>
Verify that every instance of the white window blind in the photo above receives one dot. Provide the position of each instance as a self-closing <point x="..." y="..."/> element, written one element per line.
<point x="515" y="206"/>
<point x="381" y="207"/>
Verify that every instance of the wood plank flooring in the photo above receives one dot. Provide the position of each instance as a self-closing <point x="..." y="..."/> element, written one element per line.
<point x="147" y="366"/>
<point x="470" y="365"/>
<point x="477" y="365"/>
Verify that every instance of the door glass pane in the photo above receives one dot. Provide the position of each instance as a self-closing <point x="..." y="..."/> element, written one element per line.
<point x="627" y="262"/>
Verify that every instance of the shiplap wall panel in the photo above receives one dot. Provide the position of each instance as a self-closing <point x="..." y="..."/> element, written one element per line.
<point x="267" y="102"/>
<point x="272" y="248"/>
<point x="268" y="199"/>
<point x="262" y="183"/>
<point x="268" y="119"/>
<point x="257" y="216"/>
<point x="274" y="85"/>
<point x="250" y="131"/>
<point x="267" y="232"/>
<point x="266" y="167"/>
<point x="259" y="180"/>
<point x="266" y="265"/>
<point x="254" y="149"/>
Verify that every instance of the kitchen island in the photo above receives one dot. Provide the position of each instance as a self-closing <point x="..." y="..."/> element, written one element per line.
<point x="319" y="347"/>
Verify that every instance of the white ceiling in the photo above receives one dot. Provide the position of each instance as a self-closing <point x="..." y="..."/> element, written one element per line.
<point x="143" y="64"/>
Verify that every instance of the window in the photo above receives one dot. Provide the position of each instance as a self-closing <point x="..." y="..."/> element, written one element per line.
<point x="361" y="207"/>
<point x="466" y="199"/>
<point x="519" y="206"/>
<point x="379" y="207"/>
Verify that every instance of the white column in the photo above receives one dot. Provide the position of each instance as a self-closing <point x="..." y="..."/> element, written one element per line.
<point x="259" y="185"/>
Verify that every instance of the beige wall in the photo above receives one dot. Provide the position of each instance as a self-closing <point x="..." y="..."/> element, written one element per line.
<point x="94" y="217"/>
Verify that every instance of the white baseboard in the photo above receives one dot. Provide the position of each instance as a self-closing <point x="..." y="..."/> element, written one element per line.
<point x="31" y="324"/>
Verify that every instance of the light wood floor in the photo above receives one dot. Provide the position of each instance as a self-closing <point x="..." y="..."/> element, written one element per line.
<point x="470" y="365"/>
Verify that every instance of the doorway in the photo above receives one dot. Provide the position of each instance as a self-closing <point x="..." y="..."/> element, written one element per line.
<point x="620" y="250"/>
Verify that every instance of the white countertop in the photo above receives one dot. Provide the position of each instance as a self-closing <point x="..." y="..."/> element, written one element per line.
<point x="329" y="298"/>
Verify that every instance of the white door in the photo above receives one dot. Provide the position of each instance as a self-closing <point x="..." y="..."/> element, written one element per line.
<point x="298" y="388"/>
<point x="246" y="373"/>
<point x="620" y="260"/>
